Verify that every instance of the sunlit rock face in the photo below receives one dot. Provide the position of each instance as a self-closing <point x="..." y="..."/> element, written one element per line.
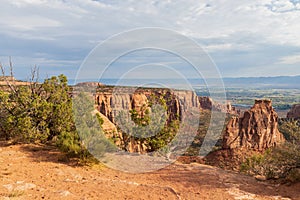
<point x="257" y="129"/>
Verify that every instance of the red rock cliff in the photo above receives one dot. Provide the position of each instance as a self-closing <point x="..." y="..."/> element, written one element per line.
<point x="257" y="129"/>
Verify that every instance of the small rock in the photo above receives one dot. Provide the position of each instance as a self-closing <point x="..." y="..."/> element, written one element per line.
<point x="9" y="187"/>
<point x="260" y="178"/>
<point x="64" y="193"/>
<point x="20" y="182"/>
<point x="26" y="186"/>
<point x="68" y="180"/>
<point x="77" y="177"/>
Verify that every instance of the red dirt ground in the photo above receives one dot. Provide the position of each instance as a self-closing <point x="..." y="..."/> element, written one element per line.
<point x="35" y="172"/>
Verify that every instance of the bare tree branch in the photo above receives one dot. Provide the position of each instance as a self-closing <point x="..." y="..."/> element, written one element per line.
<point x="8" y="82"/>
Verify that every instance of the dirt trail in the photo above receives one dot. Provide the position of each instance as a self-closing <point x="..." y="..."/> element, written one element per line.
<point x="33" y="172"/>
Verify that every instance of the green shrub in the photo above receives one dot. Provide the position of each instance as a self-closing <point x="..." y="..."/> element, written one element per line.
<point x="40" y="112"/>
<point x="290" y="130"/>
<point x="151" y="128"/>
<point x="88" y="126"/>
<point x="253" y="165"/>
<point x="281" y="162"/>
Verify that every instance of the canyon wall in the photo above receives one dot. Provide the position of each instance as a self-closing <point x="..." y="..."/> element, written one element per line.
<point x="110" y="101"/>
<point x="256" y="129"/>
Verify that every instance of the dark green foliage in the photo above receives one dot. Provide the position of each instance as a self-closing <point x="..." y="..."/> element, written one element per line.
<point x="150" y="128"/>
<point x="40" y="112"/>
<point x="164" y="136"/>
<point x="254" y="164"/>
<point x="290" y="130"/>
<point x="37" y="112"/>
<point x="88" y="126"/>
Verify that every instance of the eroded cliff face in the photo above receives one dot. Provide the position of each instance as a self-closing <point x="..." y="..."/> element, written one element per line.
<point x="294" y="113"/>
<point x="110" y="102"/>
<point x="257" y="129"/>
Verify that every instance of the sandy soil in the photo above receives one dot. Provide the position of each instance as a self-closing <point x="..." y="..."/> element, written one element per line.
<point x="36" y="172"/>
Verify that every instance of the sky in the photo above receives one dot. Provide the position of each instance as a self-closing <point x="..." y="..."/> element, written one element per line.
<point x="243" y="38"/>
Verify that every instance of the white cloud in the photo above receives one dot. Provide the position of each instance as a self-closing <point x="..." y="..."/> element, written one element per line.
<point x="199" y="19"/>
<point x="21" y="3"/>
<point x="283" y="6"/>
<point x="218" y="25"/>
<point x="26" y="23"/>
<point x="288" y="60"/>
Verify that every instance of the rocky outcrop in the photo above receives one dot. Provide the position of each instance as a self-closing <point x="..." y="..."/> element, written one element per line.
<point x="109" y="104"/>
<point x="93" y="85"/>
<point x="207" y="103"/>
<point x="257" y="129"/>
<point x="294" y="113"/>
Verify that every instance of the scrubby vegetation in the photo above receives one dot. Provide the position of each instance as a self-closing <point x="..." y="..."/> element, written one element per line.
<point x="282" y="162"/>
<point x="41" y="113"/>
<point x="88" y="123"/>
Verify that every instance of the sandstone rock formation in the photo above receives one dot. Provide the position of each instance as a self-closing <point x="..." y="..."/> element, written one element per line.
<point x="257" y="129"/>
<point x="294" y="113"/>
<point x="207" y="103"/>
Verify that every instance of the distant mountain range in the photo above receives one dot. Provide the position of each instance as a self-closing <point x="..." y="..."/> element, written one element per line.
<point x="278" y="82"/>
<point x="291" y="82"/>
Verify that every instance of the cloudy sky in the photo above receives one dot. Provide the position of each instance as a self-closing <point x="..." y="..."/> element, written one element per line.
<point x="243" y="38"/>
